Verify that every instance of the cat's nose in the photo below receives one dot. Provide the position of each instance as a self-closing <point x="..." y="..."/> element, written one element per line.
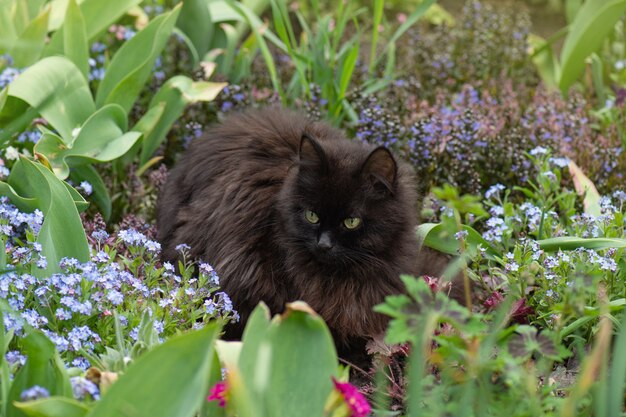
<point x="325" y="241"/>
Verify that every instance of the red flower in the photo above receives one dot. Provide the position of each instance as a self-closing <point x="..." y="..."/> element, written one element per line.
<point x="354" y="399"/>
<point x="219" y="392"/>
<point x="493" y="300"/>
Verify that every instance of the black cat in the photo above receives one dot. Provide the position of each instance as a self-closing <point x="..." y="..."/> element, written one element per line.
<point x="286" y="209"/>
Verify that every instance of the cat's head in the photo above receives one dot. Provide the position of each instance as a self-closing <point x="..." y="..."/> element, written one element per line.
<point x="346" y="205"/>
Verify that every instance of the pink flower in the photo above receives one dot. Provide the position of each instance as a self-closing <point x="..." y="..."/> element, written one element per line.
<point x="354" y="399"/>
<point x="219" y="392"/>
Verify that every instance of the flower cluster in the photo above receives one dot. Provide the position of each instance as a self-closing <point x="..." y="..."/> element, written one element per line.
<point x="75" y="307"/>
<point x="486" y="43"/>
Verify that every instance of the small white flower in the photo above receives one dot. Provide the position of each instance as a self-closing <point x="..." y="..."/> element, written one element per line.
<point x="539" y="150"/>
<point x="11" y="153"/>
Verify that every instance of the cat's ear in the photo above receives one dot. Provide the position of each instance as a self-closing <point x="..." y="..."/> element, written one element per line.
<point x="311" y="153"/>
<point x="380" y="167"/>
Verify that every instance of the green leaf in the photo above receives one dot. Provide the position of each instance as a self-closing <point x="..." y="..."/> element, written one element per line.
<point x="75" y="45"/>
<point x="617" y="374"/>
<point x="100" y="194"/>
<point x="170" y="380"/>
<point x="53" y="407"/>
<point x="545" y="61"/>
<point x="132" y="65"/>
<point x="100" y="139"/>
<point x="168" y="104"/>
<point x="593" y="22"/>
<point x="195" y="22"/>
<point x="59" y="92"/>
<point x="434" y="235"/>
<point x="4" y="93"/>
<point x="43" y="367"/>
<point x="62" y="235"/>
<point x="408" y="23"/>
<point x="347" y="69"/>
<point x="571" y="243"/>
<point x="298" y="336"/>
<point x="260" y="32"/>
<point x="98" y="15"/>
<point x="27" y="48"/>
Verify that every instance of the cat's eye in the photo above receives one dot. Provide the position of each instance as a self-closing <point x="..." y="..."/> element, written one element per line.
<point x="352" y="222"/>
<point x="311" y="217"/>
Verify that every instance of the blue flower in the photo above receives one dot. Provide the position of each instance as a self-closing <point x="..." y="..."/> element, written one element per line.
<point x="132" y="237"/>
<point x="81" y="363"/>
<point x="100" y="235"/>
<point x="115" y="297"/>
<point x="83" y="388"/>
<point x="14" y="357"/>
<point x="494" y="190"/>
<point x="33" y="393"/>
<point x="182" y="247"/>
<point x="87" y="188"/>
<point x="539" y="150"/>
<point x="560" y="162"/>
<point x="152" y="246"/>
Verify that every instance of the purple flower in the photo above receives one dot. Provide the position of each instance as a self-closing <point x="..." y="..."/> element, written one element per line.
<point x="83" y="388"/>
<point x="33" y="393"/>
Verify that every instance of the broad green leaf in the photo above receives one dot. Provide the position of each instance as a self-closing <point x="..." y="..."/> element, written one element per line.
<point x="212" y="408"/>
<point x="586" y="188"/>
<point x="571" y="243"/>
<point x="62" y="233"/>
<point x="53" y="407"/>
<point x="4" y="93"/>
<point x="221" y="11"/>
<point x="253" y="335"/>
<point x="34" y="7"/>
<point x="593" y="22"/>
<point x="544" y="60"/>
<point x="172" y="97"/>
<point x="617" y="374"/>
<point x="75" y="45"/>
<point x="59" y="92"/>
<point x="100" y="139"/>
<point x="195" y="22"/>
<point x="298" y="336"/>
<point x="27" y="48"/>
<point x="571" y="9"/>
<point x="432" y="235"/>
<point x="100" y="194"/>
<point x="43" y="367"/>
<point x="170" y="380"/>
<point x="98" y="15"/>
<point x="15" y="116"/>
<point x="8" y="30"/>
<point x="132" y="65"/>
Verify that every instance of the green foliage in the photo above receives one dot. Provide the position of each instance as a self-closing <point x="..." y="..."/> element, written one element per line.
<point x="263" y="385"/>
<point x="43" y="368"/>
<point x="32" y="186"/>
<point x="186" y="359"/>
<point x="593" y="22"/>
<point x="132" y="64"/>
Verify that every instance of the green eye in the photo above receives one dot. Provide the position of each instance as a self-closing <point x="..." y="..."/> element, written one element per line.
<point x="352" y="222"/>
<point x="311" y="217"/>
